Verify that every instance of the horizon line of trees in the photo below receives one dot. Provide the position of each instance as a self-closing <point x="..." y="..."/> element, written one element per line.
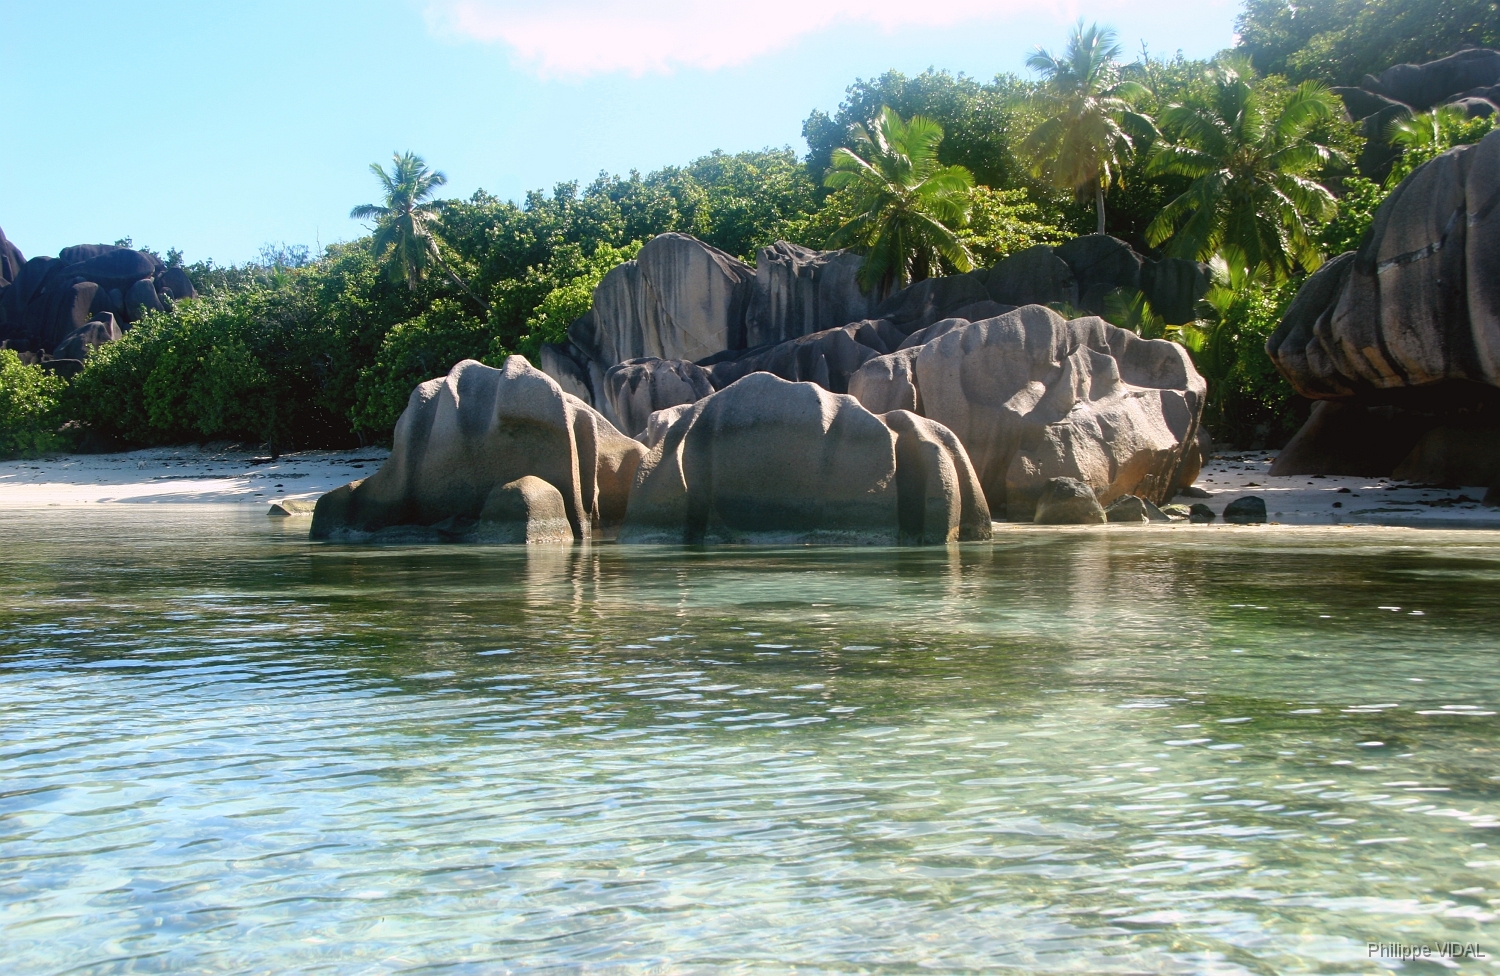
<point x="1242" y="160"/>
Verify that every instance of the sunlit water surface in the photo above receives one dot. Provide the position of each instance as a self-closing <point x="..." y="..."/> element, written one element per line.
<point x="226" y="749"/>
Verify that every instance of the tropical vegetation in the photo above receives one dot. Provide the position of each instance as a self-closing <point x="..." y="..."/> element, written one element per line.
<point x="1242" y="161"/>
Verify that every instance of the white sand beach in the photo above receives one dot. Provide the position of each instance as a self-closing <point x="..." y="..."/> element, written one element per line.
<point x="176" y="475"/>
<point x="203" y="475"/>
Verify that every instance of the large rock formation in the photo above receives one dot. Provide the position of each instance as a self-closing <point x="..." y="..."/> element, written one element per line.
<point x="1469" y="79"/>
<point x="1033" y="396"/>
<point x="1403" y="334"/>
<point x="637" y="388"/>
<point x="461" y="445"/>
<point x="801" y="314"/>
<point x="45" y="302"/>
<point x="768" y="461"/>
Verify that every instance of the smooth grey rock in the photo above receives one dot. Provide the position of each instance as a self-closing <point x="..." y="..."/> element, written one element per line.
<point x="678" y="299"/>
<point x="932" y="299"/>
<point x="176" y="281"/>
<point x="1424" y="85"/>
<point x="1453" y="455"/>
<point x="1100" y="264"/>
<point x="768" y="461"/>
<point x="141" y="299"/>
<point x="800" y="291"/>
<point x="1200" y="514"/>
<point x="1360" y="103"/>
<point x="1035" y="276"/>
<point x="292" y="507"/>
<point x="888" y="382"/>
<point x="640" y="387"/>
<point x="1192" y="491"/>
<point x="11" y="261"/>
<point x="827" y="358"/>
<point x="1246" y="510"/>
<point x="83" y="340"/>
<point x="477" y="429"/>
<point x="526" y="511"/>
<point x="1132" y="509"/>
<point x="1067" y="501"/>
<point x="1034" y="396"/>
<point x="1176" y="513"/>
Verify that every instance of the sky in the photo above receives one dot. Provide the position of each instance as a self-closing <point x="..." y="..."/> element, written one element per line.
<point x="219" y="127"/>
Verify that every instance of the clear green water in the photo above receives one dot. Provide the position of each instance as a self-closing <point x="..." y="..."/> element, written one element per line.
<point x="1188" y="751"/>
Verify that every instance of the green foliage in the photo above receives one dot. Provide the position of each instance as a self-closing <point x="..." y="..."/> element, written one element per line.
<point x="907" y="203"/>
<point x="1356" y="212"/>
<point x="29" y="414"/>
<point x="1426" y="136"/>
<point x="572" y="294"/>
<point x="1082" y="143"/>
<point x="1002" y="222"/>
<point x="1253" y="198"/>
<point x="1249" y="402"/>
<point x="413" y="352"/>
<point x="1339" y="41"/>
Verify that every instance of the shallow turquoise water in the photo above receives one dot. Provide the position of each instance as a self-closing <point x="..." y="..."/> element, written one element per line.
<point x="226" y="749"/>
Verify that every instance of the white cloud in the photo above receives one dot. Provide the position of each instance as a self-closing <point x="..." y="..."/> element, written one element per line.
<point x="584" y="37"/>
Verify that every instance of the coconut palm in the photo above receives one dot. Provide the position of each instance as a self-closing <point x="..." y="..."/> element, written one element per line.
<point x="907" y="204"/>
<point x="1083" y="143"/>
<point x="405" y="225"/>
<point x="1252" y="199"/>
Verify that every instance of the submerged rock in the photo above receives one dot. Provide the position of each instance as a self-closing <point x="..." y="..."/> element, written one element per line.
<point x="1067" y="501"/>
<point x="769" y="461"/>
<point x="463" y="441"/>
<point x="527" y="510"/>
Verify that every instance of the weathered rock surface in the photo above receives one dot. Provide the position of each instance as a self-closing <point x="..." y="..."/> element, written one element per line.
<point x="1470" y="78"/>
<point x="45" y="301"/>
<point x="527" y="511"/>
<point x="11" y="260"/>
<point x="1067" y="501"/>
<point x="80" y="342"/>
<point x="1133" y="509"/>
<point x="769" y="461"/>
<point x="681" y="299"/>
<point x="799" y="291"/>
<point x="1033" y="396"/>
<point x="472" y="433"/>
<point x="1408" y="326"/>
<point x="638" y="388"/>
<point x="827" y="358"/>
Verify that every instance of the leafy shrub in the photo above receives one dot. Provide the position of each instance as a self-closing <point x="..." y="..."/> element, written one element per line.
<point x="1356" y="213"/>
<point x="29" y="415"/>
<point x="415" y="351"/>
<point x="577" y="278"/>
<point x="1249" y="402"/>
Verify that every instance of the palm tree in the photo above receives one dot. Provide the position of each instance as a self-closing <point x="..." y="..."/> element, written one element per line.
<point x="1251" y="199"/>
<point x="907" y="203"/>
<point x="1083" y="143"/>
<point x="404" y="226"/>
<point x="1421" y="137"/>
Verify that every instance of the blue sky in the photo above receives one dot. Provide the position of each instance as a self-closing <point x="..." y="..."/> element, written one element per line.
<point x="216" y="127"/>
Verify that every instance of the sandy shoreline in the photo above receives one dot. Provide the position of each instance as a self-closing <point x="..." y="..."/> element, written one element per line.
<point x="177" y="475"/>
<point x="193" y="474"/>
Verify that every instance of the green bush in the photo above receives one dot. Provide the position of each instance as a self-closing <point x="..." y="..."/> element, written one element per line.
<point x="415" y="351"/>
<point x="1250" y="404"/>
<point x="29" y="414"/>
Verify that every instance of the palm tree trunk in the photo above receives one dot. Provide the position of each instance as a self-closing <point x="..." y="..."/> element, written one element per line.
<point x="1099" y="203"/>
<point x="459" y="281"/>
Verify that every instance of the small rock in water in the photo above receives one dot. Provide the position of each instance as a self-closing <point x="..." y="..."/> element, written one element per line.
<point x="1200" y="514"/>
<point x="1176" y="512"/>
<point x="1249" y="510"/>
<point x="1068" y="501"/>
<point x="1193" y="491"/>
<point x="287" y="507"/>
